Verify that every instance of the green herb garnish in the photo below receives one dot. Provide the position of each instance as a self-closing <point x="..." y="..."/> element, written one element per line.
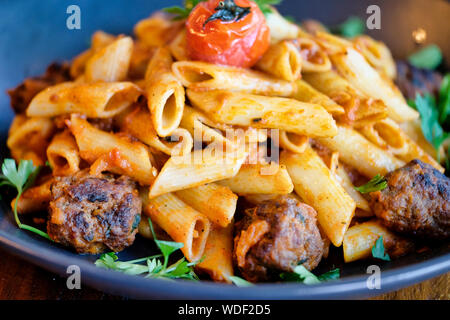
<point x="153" y="266"/>
<point x="429" y="57"/>
<point x="377" y="183"/>
<point x="21" y="179"/>
<point x="183" y="12"/>
<point x="301" y="274"/>
<point x="238" y="281"/>
<point x="350" y="28"/>
<point x="378" y="250"/>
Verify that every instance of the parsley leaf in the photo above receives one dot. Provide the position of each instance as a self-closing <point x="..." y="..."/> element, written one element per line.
<point x="444" y="99"/>
<point x="301" y="274"/>
<point x="350" y="28"/>
<point x="20" y="178"/>
<point x="265" y="5"/>
<point x="429" y="57"/>
<point x="377" y="183"/>
<point x="153" y="267"/>
<point x="238" y="281"/>
<point x="378" y="250"/>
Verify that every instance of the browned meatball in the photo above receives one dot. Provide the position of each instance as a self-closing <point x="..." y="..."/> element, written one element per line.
<point x="276" y="236"/>
<point x="416" y="201"/>
<point x="94" y="214"/>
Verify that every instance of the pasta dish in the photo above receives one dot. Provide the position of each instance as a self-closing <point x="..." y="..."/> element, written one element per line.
<point x="222" y="129"/>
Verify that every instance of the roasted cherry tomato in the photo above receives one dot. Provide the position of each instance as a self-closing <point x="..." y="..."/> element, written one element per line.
<point x="233" y="33"/>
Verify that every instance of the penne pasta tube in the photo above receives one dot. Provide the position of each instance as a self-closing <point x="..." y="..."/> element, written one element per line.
<point x="218" y="254"/>
<point x="331" y="43"/>
<point x="282" y="60"/>
<point x="139" y="124"/>
<point x="181" y="222"/>
<point x="34" y="199"/>
<point x="256" y="179"/>
<point x="360" y="239"/>
<point x="95" y="100"/>
<point x="377" y="54"/>
<point x="178" y="46"/>
<point x="110" y="152"/>
<point x="264" y="112"/>
<point x="314" y="58"/>
<point x="352" y="66"/>
<point x="203" y="76"/>
<point x="216" y="202"/>
<point x="413" y="130"/>
<point x="293" y="142"/>
<point x="99" y="40"/>
<point x="358" y="152"/>
<point x="63" y="155"/>
<point x="306" y="93"/>
<point x="111" y="63"/>
<point x="165" y="94"/>
<point x="280" y="28"/>
<point x="198" y="168"/>
<point x="28" y="138"/>
<point x="157" y="30"/>
<point x="358" y="109"/>
<point x="387" y="134"/>
<point x="317" y="186"/>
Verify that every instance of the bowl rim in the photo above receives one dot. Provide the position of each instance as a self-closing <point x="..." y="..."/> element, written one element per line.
<point x="351" y="287"/>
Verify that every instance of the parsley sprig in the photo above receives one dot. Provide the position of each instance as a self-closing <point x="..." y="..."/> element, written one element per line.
<point x="378" y="250"/>
<point x="377" y="183"/>
<point x="239" y="282"/>
<point x="153" y="266"/>
<point x="434" y="116"/>
<point x="20" y="178"/>
<point x="183" y="12"/>
<point x="301" y="274"/>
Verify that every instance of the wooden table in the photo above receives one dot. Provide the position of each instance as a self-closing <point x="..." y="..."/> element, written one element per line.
<point x="22" y="280"/>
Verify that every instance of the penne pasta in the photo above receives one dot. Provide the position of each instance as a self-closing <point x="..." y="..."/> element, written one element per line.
<point x="111" y="63"/>
<point x="413" y="130"/>
<point x="198" y="168"/>
<point x="388" y="135"/>
<point x="317" y="186"/>
<point x="358" y="110"/>
<point x="139" y="124"/>
<point x="29" y="137"/>
<point x="259" y="179"/>
<point x="360" y="239"/>
<point x="110" y="152"/>
<point x="216" y="202"/>
<point x="306" y="93"/>
<point x="346" y="183"/>
<point x="280" y="28"/>
<point x="377" y="54"/>
<point x="178" y="46"/>
<point x="181" y="222"/>
<point x="352" y="66"/>
<point x="264" y="112"/>
<point x="63" y="155"/>
<point x="157" y="30"/>
<point x="218" y="254"/>
<point x="95" y="100"/>
<point x="282" y="60"/>
<point x="314" y="58"/>
<point x="360" y="153"/>
<point x="202" y="76"/>
<point x="293" y="142"/>
<point x="165" y="95"/>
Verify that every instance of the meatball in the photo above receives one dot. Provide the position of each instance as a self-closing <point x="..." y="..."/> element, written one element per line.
<point x="94" y="214"/>
<point x="416" y="201"/>
<point x="277" y="235"/>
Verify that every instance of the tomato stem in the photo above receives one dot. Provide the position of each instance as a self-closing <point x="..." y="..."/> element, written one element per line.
<point x="228" y="10"/>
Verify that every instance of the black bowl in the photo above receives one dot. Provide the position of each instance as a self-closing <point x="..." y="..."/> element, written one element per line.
<point x="34" y="33"/>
